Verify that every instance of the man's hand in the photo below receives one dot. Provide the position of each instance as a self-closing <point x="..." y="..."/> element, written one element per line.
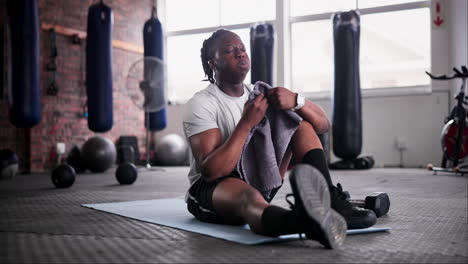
<point x="254" y="111"/>
<point x="282" y="98"/>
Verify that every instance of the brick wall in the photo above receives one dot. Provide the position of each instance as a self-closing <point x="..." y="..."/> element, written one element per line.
<point x="62" y="115"/>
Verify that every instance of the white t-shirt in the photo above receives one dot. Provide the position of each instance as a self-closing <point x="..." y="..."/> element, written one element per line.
<point x="212" y="108"/>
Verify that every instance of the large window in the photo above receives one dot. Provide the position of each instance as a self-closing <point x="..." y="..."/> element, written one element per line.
<point x="394" y="42"/>
<point x="184" y="67"/>
<point x="187" y="27"/>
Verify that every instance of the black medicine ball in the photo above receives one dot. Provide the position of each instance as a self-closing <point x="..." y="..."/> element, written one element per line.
<point x="126" y="173"/>
<point x="63" y="176"/>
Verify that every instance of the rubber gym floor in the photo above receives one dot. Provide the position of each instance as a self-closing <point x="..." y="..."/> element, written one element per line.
<point x="41" y="224"/>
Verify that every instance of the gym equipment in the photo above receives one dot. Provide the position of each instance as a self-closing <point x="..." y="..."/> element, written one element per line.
<point x="51" y="67"/>
<point x="99" y="67"/>
<point x="171" y="150"/>
<point x="347" y="123"/>
<point x="361" y="163"/>
<point x="126" y="173"/>
<point x="98" y="154"/>
<point x="146" y="88"/>
<point x="2" y="60"/>
<point x="455" y="130"/>
<point x="63" y="176"/>
<point x="347" y="113"/>
<point x="262" y="39"/>
<point x="24" y="76"/>
<point x="74" y="159"/>
<point x="8" y="164"/>
<point x="127" y="150"/>
<point x="456" y="170"/>
<point x="173" y="213"/>
<point x="153" y="47"/>
<point x="379" y="202"/>
<point x="125" y="153"/>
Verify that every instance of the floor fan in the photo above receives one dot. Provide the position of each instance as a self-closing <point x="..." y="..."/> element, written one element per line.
<point x="146" y="84"/>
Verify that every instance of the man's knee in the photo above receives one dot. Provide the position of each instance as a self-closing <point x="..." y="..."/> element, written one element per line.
<point x="233" y="199"/>
<point x="236" y="192"/>
<point x="305" y="128"/>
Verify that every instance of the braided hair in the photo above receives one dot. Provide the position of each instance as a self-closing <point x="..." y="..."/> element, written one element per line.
<point x="208" y="52"/>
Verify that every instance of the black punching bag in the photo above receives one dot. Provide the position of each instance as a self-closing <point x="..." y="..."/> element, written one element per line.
<point x="99" y="68"/>
<point x="24" y="89"/>
<point x="153" y="47"/>
<point x="347" y="119"/>
<point x="261" y="51"/>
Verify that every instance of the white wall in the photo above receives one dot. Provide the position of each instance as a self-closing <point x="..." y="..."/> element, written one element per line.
<point x="418" y="118"/>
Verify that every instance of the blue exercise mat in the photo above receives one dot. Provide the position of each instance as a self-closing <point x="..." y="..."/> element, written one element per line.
<point x="173" y="213"/>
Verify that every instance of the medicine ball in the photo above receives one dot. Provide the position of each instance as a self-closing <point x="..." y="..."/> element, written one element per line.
<point x="171" y="150"/>
<point x="126" y="173"/>
<point x="74" y="159"/>
<point x="98" y="154"/>
<point x="63" y="176"/>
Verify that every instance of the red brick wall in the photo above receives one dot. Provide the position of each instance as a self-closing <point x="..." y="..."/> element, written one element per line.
<point x="62" y="115"/>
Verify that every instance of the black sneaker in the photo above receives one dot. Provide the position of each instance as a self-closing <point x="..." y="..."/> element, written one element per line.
<point x="356" y="217"/>
<point x="312" y="204"/>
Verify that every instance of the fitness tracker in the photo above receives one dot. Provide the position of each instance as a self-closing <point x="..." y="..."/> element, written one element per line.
<point x="300" y="102"/>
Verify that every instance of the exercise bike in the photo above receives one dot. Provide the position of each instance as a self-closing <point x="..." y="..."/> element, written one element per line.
<point x="454" y="136"/>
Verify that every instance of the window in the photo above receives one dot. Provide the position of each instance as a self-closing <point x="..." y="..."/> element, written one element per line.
<point x="184" y="67"/>
<point x="312" y="56"/>
<point x="394" y="44"/>
<point x="187" y="27"/>
<point x="307" y="7"/>
<point x="395" y="49"/>
<point x="192" y="15"/>
<point x="394" y="40"/>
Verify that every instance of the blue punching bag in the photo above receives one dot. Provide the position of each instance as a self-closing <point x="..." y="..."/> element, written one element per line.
<point x="153" y="47"/>
<point x="261" y="52"/>
<point x="24" y="85"/>
<point x="347" y="119"/>
<point x="99" y="68"/>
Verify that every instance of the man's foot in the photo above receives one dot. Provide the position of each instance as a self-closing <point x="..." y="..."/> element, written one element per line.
<point x="312" y="204"/>
<point x="356" y="217"/>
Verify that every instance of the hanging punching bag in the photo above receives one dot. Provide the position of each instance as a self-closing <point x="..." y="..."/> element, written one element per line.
<point x="346" y="120"/>
<point x="261" y="52"/>
<point x="24" y="93"/>
<point x="153" y="47"/>
<point x="99" y="68"/>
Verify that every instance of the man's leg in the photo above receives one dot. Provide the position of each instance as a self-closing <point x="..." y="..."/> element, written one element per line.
<point x="238" y="202"/>
<point x="307" y="148"/>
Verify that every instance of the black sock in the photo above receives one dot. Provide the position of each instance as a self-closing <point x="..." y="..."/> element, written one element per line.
<point x="316" y="158"/>
<point x="278" y="221"/>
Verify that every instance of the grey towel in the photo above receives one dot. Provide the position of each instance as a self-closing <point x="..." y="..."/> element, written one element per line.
<point x="266" y="145"/>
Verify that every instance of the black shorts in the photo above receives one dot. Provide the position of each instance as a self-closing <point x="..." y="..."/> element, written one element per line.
<point x="200" y="199"/>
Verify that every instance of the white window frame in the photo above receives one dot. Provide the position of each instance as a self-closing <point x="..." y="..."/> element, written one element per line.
<point x="283" y="59"/>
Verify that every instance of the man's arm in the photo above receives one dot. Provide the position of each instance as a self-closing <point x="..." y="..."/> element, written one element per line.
<point x="315" y="115"/>
<point x="310" y="112"/>
<point x="218" y="159"/>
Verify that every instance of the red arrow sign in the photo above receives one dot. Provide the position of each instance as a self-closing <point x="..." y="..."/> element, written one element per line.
<point x="438" y="21"/>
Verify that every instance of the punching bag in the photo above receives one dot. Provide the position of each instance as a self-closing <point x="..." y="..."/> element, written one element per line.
<point x="347" y="119"/>
<point x="24" y="84"/>
<point x="99" y="68"/>
<point x="261" y="51"/>
<point x="153" y="47"/>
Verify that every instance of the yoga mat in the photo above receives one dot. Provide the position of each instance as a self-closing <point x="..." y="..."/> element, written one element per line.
<point x="173" y="213"/>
